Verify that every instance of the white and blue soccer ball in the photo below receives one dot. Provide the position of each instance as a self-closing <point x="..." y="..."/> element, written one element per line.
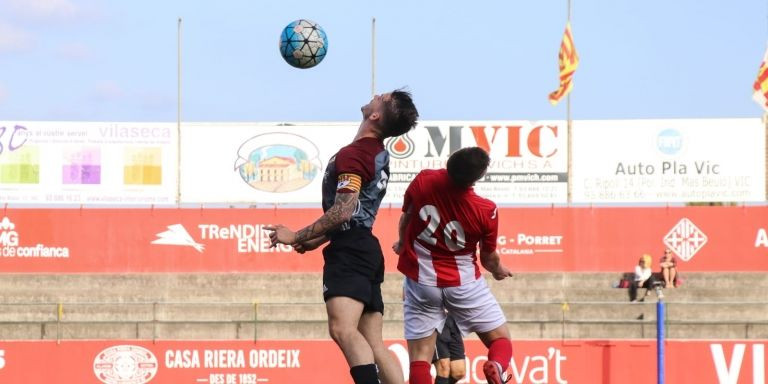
<point x="303" y="44"/>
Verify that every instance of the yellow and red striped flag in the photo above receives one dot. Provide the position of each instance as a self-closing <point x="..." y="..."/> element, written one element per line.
<point x="568" y="61"/>
<point x="760" y="88"/>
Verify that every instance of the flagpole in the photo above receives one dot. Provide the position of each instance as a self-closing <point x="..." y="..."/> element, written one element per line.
<point x="568" y="122"/>
<point x="570" y="146"/>
<point x="373" y="57"/>
<point x="765" y="129"/>
<point x="178" y="114"/>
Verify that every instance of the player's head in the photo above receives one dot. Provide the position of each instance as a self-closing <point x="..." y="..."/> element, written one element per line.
<point x="645" y="260"/>
<point x="467" y="165"/>
<point x="394" y="112"/>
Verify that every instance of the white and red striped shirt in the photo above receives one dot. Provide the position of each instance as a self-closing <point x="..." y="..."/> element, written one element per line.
<point x="446" y="224"/>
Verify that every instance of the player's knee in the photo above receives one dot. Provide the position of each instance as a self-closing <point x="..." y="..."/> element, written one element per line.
<point x="458" y="373"/>
<point x="339" y="333"/>
<point x="442" y="368"/>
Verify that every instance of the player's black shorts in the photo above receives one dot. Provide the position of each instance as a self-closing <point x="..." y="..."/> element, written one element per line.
<point x="354" y="267"/>
<point x="449" y="342"/>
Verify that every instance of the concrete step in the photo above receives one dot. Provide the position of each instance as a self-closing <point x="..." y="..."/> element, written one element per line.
<point x="306" y="287"/>
<point x="244" y="312"/>
<point x="392" y="279"/>
<point x="28" y="312"/>
<point x="270" y="330"/>
<point x="618" y="295"/>
<point x="224" y="306"/>
<point x="24" y="330"/>
<point x="312" y="295"/>
<point x="716" y="311"/>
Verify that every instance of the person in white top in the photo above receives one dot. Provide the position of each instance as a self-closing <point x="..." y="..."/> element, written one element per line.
<point x="644" y="279"/>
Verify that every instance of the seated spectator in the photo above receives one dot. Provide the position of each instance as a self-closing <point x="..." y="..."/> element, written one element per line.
<point x="668" y="265"/>
<point x="644" y="279"/>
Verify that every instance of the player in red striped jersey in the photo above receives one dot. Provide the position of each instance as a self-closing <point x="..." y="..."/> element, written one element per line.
<point x="442" y="223"/>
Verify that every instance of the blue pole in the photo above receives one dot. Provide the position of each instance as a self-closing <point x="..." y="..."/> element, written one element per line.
<point x="660" y="341"/>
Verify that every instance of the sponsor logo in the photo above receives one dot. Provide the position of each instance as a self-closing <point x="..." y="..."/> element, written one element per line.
<point x="529" y="244"/>
<point x="8" y="237"/>
<point x="669" y="141"/>
<point x="549" y="366"/>
<point x="761" y="240"/>
<point x="685" y="239"/>
<point x="511" y="141"/>
<point x="10" y="244"/>
<point x="729" y="370"/>
<point x="177" y="235"/>
<point x="400" y="147"/>
<point x="124" y="131"/>
<point x="8" y="138"/>
<point x="248" y="238"/>
<point x="521" y="153"/>
<point x="125" y="364"/>
<point x="278" y="162"/>
<point x="232" y="358"/>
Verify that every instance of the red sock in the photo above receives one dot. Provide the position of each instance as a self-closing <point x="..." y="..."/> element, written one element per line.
<point x="500" y="351"/>
<point x="419" y="373"/>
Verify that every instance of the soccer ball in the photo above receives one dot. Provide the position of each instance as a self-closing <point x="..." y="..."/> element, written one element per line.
<point x="303" y="43"/>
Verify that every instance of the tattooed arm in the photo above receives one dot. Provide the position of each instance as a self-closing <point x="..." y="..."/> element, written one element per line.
<point x="341" y="211"/>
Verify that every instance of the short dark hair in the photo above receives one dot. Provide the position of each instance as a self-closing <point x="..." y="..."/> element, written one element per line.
<point x="467" y="165"/>
<point x="401" y="114"/>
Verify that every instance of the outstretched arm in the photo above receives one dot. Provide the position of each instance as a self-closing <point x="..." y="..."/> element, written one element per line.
<point x="492" y="262"/>
<point x="310" y="244"/>
<point x="341" y="211"/>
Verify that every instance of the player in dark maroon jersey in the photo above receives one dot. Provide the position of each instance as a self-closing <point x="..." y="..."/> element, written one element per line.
<point x="442" y="223"/>
<point x="354" y="184"/>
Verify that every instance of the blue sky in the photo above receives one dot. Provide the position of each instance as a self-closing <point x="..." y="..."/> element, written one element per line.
<point x="114" y="60"/>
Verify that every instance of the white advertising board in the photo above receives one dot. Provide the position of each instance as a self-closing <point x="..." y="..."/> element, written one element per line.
<point x="274" y="163"/>
<point x="88" y="163"/>
<point x="258" y="163"/>
<point x="691" y="160"/>
<point x="529" y="161"/>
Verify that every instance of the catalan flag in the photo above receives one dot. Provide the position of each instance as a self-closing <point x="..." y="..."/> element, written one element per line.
<point x="568" y="61"/>
<point x="760" y="94"/>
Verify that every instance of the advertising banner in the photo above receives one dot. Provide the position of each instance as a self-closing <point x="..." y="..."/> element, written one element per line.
<point x="88" y="163"/>
<point x="284" y="163"/>
<point x="630" y="161"/>
<point x="320" y="361"/>
<point x="258" y="163"/>
<point x="529" y="160"/>
<point x="234" y="240"/>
